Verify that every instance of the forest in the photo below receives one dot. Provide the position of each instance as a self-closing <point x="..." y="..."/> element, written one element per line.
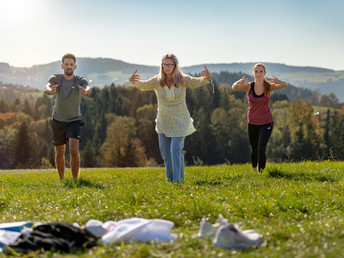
<point x="120" y="127"/>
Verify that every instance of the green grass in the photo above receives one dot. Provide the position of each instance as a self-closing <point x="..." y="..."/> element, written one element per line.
<point x="297" y="207"/>
<point x="323" y="109"/>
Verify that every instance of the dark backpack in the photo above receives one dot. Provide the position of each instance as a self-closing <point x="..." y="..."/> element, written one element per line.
<point x="55" y="236"/>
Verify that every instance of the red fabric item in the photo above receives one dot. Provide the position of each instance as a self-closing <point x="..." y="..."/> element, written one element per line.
<point x="259" y="112"/>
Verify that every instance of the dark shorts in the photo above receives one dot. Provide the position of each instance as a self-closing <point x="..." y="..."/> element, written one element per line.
<point x="62" y="131"/>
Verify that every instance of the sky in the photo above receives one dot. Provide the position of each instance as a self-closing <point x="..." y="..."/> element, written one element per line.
<point x="292" y="32"/>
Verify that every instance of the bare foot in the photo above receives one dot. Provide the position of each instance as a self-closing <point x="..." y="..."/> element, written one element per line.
<point x="255" y="170"/>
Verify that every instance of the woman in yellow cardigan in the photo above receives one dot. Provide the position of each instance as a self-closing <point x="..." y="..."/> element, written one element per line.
<point x="173" y="122"/>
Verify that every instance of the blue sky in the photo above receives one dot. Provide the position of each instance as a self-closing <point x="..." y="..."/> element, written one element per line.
<point x="293" y="32"/>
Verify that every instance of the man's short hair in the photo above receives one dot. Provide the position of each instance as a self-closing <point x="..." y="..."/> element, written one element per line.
<point x="69" y="55"/>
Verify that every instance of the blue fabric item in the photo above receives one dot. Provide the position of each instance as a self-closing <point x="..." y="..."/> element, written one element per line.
<point x="15" y="226"/>
<point x="171" y="149"/>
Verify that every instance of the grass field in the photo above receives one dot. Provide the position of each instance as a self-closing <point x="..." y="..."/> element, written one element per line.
<point x="323" y="109"/>
<point x="297" y="207"/>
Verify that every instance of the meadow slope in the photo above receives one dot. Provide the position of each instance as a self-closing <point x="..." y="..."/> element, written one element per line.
<point x="297" y="207"/>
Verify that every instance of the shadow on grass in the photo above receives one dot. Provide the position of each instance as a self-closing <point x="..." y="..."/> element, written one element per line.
<point x="218" y="180"/>
<point x="3" y="203"/>
<point x="212" y="182"/>
<point x="206" y="182"/>
<point x="300" y="176"/>
<point x="70" y="183"/>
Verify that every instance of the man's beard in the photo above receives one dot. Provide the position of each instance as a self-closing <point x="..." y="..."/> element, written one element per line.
<point x="69" y="72"/>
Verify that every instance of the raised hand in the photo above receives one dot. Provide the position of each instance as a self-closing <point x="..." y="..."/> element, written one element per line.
<point x="243" y="82"/>
<point x="53" y="89"/>
<point x="277" y="84"/>
<point x="83" y="91"/>
<point x="274" y="80"/>
<point x="205" y="73"/>
<point x="134" y="77"/>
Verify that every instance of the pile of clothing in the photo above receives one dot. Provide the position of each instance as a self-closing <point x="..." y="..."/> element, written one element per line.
<point x="20" y="237"/>
<point x="56" y="236"/>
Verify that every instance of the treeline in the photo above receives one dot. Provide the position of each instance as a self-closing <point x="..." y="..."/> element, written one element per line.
<point x="25" y="134"/>
<point x="120" y="132"/>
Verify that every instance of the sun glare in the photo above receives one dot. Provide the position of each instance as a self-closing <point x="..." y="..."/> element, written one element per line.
<point x="17" y="11"/>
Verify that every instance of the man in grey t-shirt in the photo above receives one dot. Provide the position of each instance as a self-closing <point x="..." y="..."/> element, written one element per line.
<point x="66" y="117"/>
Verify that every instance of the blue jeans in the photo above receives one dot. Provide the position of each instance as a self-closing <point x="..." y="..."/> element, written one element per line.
<point x="171" y="149"/>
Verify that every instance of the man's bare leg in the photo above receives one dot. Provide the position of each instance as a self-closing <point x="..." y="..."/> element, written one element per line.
<point x="60" y="160"/>
<point x="74" y="157"/>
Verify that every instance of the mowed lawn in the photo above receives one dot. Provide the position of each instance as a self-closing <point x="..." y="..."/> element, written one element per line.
<point x="297" y="207"/>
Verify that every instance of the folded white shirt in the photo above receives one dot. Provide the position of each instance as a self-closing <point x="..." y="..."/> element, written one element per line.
<point x="136" y="229"/>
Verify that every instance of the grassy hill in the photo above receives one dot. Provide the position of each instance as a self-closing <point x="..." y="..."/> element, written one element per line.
<point x="297" y="207"/>
<point x="325" y="82"/>
<point x="104" y="71"/>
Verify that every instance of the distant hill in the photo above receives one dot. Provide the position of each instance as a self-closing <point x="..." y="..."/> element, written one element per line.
<point x="104" y="71"/>
<point x="101" y="71"/>
<point x="12" y="92"/>
<point x="272" y="68"/>
<point x="313" y="78"/>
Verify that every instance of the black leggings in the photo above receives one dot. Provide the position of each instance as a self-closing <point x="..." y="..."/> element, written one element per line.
<point x="259" y="136"/>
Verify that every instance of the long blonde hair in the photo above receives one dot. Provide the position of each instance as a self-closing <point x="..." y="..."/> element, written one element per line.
<point x="266" y="84"/>
<point x="177" y="74"/>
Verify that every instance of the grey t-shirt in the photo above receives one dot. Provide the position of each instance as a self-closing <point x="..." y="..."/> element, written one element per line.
<point x="67" y="101"/>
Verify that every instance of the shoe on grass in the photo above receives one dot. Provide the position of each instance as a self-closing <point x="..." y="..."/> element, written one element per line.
<point x="208" y="230"/>
<point x="231" y="237"/>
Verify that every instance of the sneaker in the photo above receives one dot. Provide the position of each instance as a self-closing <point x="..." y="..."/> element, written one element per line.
<point x="221" y="220"/>
<point x="208" y="230"/>
<point x="230" y="237"/>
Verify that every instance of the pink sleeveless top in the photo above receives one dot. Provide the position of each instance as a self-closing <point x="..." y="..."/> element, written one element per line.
<point x="258" y="110"/>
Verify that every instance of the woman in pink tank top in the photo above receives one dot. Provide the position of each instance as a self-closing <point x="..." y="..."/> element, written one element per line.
<point x="259" y="116"/>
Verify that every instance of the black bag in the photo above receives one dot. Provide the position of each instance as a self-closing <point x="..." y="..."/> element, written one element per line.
<point x="56" y="235"/>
